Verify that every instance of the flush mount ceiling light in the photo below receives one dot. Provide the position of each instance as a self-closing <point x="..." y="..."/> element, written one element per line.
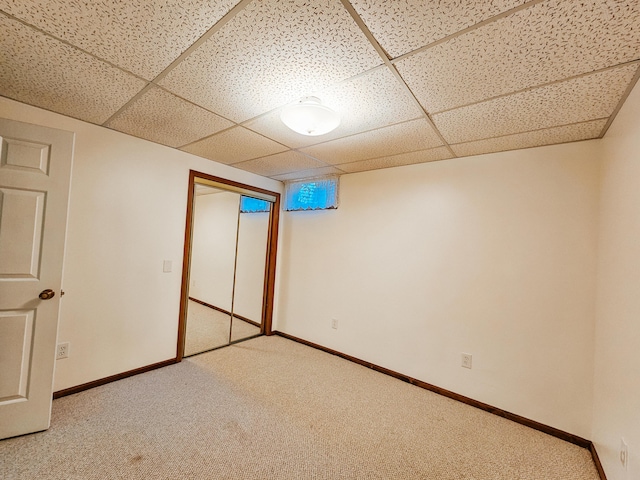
<point x="310" y="117"/>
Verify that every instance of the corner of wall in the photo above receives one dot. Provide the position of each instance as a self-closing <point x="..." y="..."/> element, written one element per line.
<point x="616" y="408"/>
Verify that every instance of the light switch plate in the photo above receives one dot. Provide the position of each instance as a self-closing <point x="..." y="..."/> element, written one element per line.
<point x="466" y="360"/>
<point x="166" y="266"/>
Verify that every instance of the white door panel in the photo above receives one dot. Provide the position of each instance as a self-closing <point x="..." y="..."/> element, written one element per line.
<point x="35" y="166"/>
<point x="21" y="215"/>
<point x="16" y="330"/>
<point x="23" y="155"/>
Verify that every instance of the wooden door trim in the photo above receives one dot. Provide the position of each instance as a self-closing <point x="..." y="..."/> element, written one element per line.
<point x="270" y="264"/>
<point x="270" y="270"/>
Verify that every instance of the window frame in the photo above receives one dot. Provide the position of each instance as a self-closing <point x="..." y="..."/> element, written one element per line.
<point x="330" y="204"/>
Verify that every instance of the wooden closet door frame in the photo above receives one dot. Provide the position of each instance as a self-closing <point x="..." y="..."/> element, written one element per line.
<point x="270" y="261"/>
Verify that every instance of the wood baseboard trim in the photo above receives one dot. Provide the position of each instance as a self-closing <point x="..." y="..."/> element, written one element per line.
<point x="112" y="378"/>
<point x="569" y="437"/>
<point x="244" y="319"/>
<point x="576" y="440"/>
<point x="596" y="460"/>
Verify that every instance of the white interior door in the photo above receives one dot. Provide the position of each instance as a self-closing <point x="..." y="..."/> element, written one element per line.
<point x="35" y="169"/>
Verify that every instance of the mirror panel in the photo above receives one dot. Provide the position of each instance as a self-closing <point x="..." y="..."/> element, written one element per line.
<point x="213" y="250"/>
<point x="253" y="230"/>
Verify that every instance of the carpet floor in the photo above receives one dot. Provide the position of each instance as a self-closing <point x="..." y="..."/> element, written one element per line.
<point x="270" y="408"/>
<point x="208" y="328"/>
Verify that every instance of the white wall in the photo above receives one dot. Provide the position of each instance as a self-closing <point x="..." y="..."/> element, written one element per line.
<point x="617" y="355"/>
<point x="491" y="255"/>
<point x="213" y="248"/>
<point x="126" y="215"/>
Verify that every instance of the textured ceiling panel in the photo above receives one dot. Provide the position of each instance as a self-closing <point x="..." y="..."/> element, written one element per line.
<point x="370" y="101"/>
<point x="270" y="54"/>
<point x="494" y="75"/>
<point x="234" y="145"/>
<point x="280" y="163"/>
<point x="544" y="43"/>
<point x="142" y="36"/>
<point x="39" y="70"/>
<point x="586" y="98"/>
<point x="549" y="136"/>
<point x="405" y="25"/>
<point x="316" y="172"/>
<point x="401" y="138"/>
<point x="162" y="117"/>
<point x="438" y="153"/>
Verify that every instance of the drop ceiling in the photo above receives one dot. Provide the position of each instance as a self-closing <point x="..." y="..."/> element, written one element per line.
<point x="414" y="81"/>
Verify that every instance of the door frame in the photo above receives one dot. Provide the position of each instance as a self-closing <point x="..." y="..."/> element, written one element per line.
<point x="270" y="261"/>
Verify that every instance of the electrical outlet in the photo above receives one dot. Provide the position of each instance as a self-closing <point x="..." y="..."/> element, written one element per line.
<point x="466" y="360"/>
<point x="334" y="323"/>
<point x="624" y="453"/>
<point x="63" y="350"/>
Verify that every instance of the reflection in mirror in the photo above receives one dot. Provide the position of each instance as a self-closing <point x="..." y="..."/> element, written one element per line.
<point x="213" y="251"/>
<point x="229" y="264"/>
<point x="253" y="230"/>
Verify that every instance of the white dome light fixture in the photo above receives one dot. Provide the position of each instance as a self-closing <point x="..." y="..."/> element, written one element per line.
<point x="310" y="117"/>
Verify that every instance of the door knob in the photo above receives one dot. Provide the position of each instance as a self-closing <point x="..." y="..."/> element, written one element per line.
<point x="47" y="294"/>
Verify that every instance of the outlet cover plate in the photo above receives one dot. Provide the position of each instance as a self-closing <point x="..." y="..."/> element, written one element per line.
<point x="624" y="453"/>
<point x="62" y="351"/>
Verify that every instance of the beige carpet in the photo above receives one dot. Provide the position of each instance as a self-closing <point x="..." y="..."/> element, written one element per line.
<point x="269" y="408"/>
<point x="208" y="328"/>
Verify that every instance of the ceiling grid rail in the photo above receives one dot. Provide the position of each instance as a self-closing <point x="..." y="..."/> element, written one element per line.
<point x="394" y="71"/>
<point x="194" y="46"/>
<point x="414" y="82"/>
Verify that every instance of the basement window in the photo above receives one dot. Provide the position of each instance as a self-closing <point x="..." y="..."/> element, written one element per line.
<point x="316" y="194"/>
<point x="253" y="205"/>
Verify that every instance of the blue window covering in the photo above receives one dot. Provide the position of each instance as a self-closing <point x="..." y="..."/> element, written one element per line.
<point x="253" y="205"/>
<point x="316" y="194"/>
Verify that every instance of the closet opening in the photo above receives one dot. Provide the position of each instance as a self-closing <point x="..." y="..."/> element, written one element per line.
<point x="229" y="264"/>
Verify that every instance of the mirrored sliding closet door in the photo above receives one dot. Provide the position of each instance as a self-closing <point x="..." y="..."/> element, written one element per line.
<point x="230" y="233"/>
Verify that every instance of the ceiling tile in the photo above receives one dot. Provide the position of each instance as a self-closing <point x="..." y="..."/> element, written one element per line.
<point x="590" y="97"/>
<point x="401" y="138"/>
<point x="272" y="53"/>
<point x="547" y="136"/>
<point x="373" y="100"/>
<point x="142" y="36"/>
<point x="39" y="70"/>
<point x="280" y="163"/>
<point x="438" y="153"/>
<point x="546" y="42"/>
<point x="524" y="73"/>
<point x="405" y="25"/>
<point x="234" y="145"/>
<point x="305" y="174"/>
<point x="162" y="117"/>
